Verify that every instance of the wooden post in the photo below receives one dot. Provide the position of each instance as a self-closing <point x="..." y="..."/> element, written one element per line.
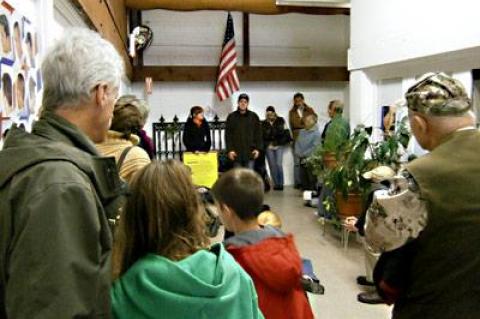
<point x="246" y="39"/>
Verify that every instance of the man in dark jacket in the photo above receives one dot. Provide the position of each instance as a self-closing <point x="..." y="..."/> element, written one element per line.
<point x="243" y="134"/>
<point x="56" y="194"/>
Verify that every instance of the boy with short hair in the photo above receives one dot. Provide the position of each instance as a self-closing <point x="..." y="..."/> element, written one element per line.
<point x="267" y="254"/>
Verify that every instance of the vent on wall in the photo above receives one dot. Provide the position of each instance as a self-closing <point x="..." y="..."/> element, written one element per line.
<point x="315" y="3"/>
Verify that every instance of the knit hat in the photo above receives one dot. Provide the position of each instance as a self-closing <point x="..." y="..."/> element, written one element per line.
<point x="243" y="96"/>
<point x="271" y="109"/>
<point x="438" y="94"/>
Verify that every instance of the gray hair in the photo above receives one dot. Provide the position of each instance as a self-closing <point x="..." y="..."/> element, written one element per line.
<point x="75" y="65"/>
<point x="140" y="104"/>
<point x="336" y="105"/>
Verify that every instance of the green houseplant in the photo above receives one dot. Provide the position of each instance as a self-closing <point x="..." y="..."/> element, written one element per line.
<point x="389" y="151"/>
<point x="345" y="180"/>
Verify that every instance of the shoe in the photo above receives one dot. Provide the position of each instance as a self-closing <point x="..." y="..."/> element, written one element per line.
<point x="370" y="297"/>
<point x="362" y="281"/>
<point x="278" y="188"/>
<point x="312" y="286"/>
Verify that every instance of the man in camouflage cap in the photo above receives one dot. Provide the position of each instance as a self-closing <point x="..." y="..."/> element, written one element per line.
<point x="439" y="260"/>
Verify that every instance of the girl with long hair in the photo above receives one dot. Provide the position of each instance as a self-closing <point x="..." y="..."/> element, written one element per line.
<point x="163" y="265"/>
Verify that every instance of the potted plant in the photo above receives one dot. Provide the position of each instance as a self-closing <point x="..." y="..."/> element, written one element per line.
<point x="389" y="151"/>
<point x="345" y="180"/>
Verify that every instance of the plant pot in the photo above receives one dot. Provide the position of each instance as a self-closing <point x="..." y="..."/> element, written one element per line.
<point x="329" y="160"/>
<point x="352" y="206"/>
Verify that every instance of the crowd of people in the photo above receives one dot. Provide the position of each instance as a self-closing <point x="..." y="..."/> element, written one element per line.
<point x="90" y="227"/>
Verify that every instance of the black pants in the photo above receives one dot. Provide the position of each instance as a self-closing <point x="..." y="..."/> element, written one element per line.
<point x="308" y="180"/>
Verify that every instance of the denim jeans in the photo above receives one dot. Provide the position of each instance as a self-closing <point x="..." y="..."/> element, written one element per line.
<point x="275" y="162"/>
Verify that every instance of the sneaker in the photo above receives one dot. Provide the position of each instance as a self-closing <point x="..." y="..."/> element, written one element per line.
<point x="312" y="286"/>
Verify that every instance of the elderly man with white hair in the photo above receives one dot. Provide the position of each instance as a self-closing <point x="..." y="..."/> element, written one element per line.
<point x="57" y="194"/>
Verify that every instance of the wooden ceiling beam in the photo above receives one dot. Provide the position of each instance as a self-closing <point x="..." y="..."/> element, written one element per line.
<point x="245" y="73"/>
<point x="247" y="6"/>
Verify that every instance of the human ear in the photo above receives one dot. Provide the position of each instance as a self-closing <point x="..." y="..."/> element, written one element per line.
<point x="421" y="124"/>
<point x="101" y="94"/>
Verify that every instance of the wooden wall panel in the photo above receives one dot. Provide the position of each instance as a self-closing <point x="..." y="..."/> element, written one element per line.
<point x="249" y="6"/>
<point x="99" y="14"/>
<point x="118" y="11"/>
<point x="207" y="73"/>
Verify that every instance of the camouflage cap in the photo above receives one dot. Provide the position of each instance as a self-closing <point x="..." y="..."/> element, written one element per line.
<point x="438" y="94"/>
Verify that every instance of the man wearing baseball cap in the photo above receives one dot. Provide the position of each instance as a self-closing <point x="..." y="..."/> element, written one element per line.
<point x="243" y="134"/>
<point x="437" y="252"/>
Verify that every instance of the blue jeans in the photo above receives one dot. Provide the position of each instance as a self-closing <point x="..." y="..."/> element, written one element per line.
<point x="275" y="162"/>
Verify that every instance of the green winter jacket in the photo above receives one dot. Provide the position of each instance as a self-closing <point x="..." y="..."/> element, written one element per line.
<point x="205" y="285"/>
<point x="55" y="240"/>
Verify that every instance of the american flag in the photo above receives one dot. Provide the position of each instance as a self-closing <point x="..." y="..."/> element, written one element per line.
<point x="227" y="81"/>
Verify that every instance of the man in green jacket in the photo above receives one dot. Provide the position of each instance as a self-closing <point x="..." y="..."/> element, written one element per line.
<point x="427" y="225"/>
<point x="57" y="194"/>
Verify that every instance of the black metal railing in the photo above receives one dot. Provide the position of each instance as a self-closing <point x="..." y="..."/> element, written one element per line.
<point x="168" y="137"/>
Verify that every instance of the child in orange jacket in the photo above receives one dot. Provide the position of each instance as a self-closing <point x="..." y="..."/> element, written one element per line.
<point x="267" y="254"/>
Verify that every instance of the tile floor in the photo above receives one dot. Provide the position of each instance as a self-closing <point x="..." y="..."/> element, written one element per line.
<point x="336" y="268"/>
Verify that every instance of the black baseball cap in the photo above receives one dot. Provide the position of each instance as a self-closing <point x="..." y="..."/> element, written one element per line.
<point x="243" y="96"/>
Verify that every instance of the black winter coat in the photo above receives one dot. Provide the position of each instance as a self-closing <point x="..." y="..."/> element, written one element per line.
<point x="197" y="139"/>
<point x="273" y="133"/>
<point x="243" y="134"/>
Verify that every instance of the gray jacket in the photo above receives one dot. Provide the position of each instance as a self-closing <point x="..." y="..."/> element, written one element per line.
<point x="55" y="241"/>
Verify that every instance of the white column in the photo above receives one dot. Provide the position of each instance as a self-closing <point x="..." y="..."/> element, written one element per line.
<point x="363" y="98"/>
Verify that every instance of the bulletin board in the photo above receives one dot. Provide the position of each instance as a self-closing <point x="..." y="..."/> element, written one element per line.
<point x="204" y="167"/>
<point x="20" y="78"/>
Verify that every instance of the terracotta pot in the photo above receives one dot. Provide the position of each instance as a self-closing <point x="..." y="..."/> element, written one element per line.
<point x="329" y="160"/>
<point x="352" y="206"/>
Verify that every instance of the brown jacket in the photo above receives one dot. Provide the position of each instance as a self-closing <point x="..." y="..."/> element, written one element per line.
<point x="444" y="278"/>
<point x="296" y="122"/>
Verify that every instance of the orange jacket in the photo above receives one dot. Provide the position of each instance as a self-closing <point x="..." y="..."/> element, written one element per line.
<point x="276" y="268"/>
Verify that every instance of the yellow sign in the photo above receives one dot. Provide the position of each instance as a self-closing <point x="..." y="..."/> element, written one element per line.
<point x="204" y="167"/>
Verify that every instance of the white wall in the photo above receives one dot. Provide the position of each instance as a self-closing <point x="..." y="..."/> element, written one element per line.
<point x="195" y="38"/>
<point x="403" y="40"/>
<point x="399" y="30"/>
<point x="170" y="99"/>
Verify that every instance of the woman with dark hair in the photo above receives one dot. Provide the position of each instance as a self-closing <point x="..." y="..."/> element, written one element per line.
<point x="162" y="262"/>
<point x="122" y="139"/>
<point x="196" y="135"/>
<point x="275" y="137"/>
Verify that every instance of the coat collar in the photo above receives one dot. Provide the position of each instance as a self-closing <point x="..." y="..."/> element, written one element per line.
<point x="56" y="128"/>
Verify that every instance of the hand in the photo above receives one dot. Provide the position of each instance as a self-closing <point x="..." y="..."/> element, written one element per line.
<point x="255" y="154"/>
<point x="350" y="222"/>
<point x="232" y="155"/>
